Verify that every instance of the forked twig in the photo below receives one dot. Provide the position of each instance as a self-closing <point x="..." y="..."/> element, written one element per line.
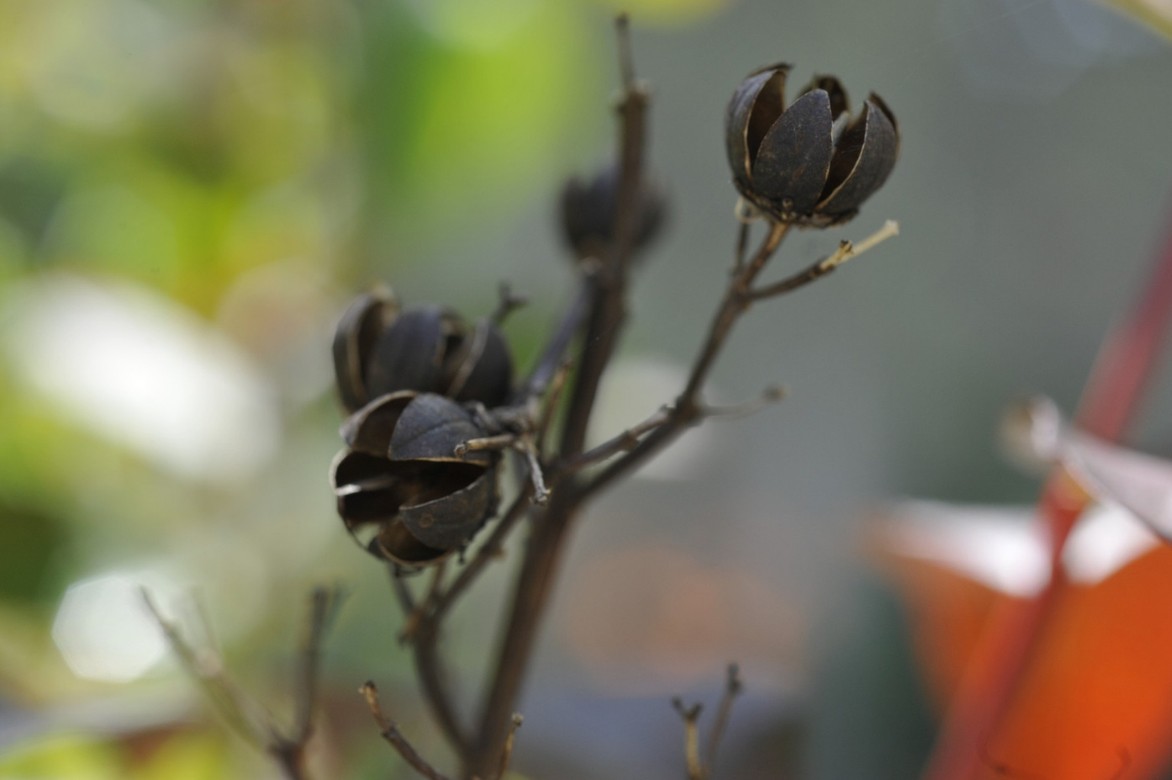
<point x="239" y="712"/>
<point x="390" y="732"/>
<point x="208" y="670"/>
<point x="691" y="718"/>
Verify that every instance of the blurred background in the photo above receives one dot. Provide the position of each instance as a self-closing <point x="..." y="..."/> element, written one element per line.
<point x="190" y="191"/>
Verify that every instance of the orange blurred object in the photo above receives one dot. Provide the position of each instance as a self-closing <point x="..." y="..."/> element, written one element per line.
<point x="1095" y="700"/>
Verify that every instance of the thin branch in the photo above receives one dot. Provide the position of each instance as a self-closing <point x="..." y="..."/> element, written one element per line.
<point x="390" y="732"/>
<point x="732" y="688"/>
<point x="428" y="664"/>
<point x="510" y="740"/>
<point x="769" y="396"/>
<point x="742" y="246"/>
<point x="209" y="673"/>
<point x="323" y="608"/>
<point x="509" y="302"/>
<point x="687" y="410"/>
<point x="425" y="631"/>
<point x="434" y="589"/>
<point x="691" y="718"/>
<point x="528" y="450"/>
<point x="623" y="442"/>
<point x="550" y="405"/>
<point x="501" y="441"/>
<point x="846" y="251"/>
<point x="735" y="303"/>
<point x="608" y="285"/>
<point x="622" y="25"/>
<point x="553" y="356"/>
<point x="606" y="305"/>
<point x="289" y="750"/>
<point x="401" y="589"/>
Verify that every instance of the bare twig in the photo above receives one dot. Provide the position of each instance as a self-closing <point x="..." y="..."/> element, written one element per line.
<point x="509" y="302"/>
<point x="553" y="356"/>
<point x="732" y="688"/>
<point x="241" y="714"/>
<point x="429" y="667"/>
<point x="425" y="630"/>
<point x="741" y="247"/>
<point x="623" y="442"/>
<point x="507" y="751"/>
<point x="846" y="250"/>
<point x="390" y="732"/>
<point x="687" y="410"/>
<point x="289" y="750"/>
<point x="691" y="718"/>
<point x="434" y="589"/>
<point x="550" y="405"/>
<point x="771" y="395"/>
<point x="323" y="608"/>
<point x="605" y="291"/>
<point x="528" y="449"/>
<point x="208" y="670"/>
<point x="496" y="443"/>
<point x="401" y="589"/>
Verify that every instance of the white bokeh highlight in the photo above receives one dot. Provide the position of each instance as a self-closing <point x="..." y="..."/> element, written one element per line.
<point x="142" y="372"/>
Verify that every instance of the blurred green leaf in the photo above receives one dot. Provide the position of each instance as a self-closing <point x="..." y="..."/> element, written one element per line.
<point x="63" y="757"/>
<point x="458" y="123"/>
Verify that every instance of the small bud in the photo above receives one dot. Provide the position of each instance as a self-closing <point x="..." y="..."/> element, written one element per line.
<point x="401" y="486"/>
<point x="589" y="208"/>
<point x="379" y="349"/>
<point x="809" y="163"/>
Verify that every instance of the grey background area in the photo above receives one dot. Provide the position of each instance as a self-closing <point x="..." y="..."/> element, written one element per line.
<point x="1032" y="191"/>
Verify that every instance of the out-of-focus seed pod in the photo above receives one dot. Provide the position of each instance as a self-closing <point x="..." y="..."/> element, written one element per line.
<point x="809" y="163"/>
<point x="589" y="208"/>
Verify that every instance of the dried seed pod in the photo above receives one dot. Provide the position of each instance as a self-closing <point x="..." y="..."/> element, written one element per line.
<point x="410" y="353"/>
<point x="589" y="208"/>
<point x="482" y="368"/>
<point x="359" y="328"/>
<point x="400" y="488"/>
<point x="809" y="163"/>
<point x="379" y="349"/>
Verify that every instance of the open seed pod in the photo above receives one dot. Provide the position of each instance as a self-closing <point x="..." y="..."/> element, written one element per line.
<point x="379" y="349"/>
<point x="810" y="162"/>
<point x="401" y="490"/>
<point x="482" y="368"/>
<point x="359" y="328"/>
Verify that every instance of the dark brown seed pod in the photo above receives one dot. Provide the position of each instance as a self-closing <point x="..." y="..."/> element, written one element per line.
<point x="589" y="208"/>
<point x="359" y="328"/>
<point x="379" y="349"/>
<point x="401" y="491"/>
<point x="482" y="368"/>
<point x="809" y="163"/>
<point x="430" y="428"/>
<point x="410" y="353"/>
